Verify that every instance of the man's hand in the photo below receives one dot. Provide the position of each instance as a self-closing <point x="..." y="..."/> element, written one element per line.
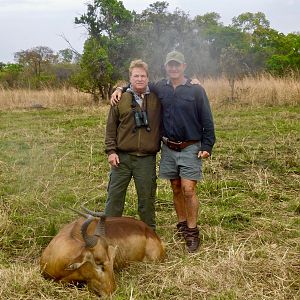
<point x="115" y="97"/>
<point x="203" y="154"/>
<point x="195" y="81"/>
<point x="113" y="159"/>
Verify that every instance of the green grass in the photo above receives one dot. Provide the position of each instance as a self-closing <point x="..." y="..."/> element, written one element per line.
<point x="249" y="206"/>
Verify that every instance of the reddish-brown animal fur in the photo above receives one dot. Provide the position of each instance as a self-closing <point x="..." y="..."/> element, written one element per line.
<point x="69" y="258"/>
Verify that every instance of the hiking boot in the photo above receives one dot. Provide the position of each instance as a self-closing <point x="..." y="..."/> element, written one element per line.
<point x="181" y="227"/>
<point x="192" y="239"/>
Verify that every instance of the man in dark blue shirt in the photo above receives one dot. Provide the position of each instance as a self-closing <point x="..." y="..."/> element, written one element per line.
<point x="188" y="137"/>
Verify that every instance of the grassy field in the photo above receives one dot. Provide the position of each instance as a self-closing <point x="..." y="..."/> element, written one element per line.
<point x="51" y="159"/>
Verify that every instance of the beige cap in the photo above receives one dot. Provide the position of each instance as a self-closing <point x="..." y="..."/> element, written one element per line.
<point x="176" y="56"/>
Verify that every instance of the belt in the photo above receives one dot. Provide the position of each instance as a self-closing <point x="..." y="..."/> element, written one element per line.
<point x="177" y="146"/>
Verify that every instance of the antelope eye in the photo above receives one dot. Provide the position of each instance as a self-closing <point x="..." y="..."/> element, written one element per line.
<point x="99" y="264"/>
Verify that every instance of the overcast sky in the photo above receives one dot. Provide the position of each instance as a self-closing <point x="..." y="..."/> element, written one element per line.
<point x="29" y="23"/>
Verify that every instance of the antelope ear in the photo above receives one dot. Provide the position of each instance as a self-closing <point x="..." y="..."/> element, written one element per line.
<point x="112" y="250"/>
<point x="82" y="258"/>
<point x="74" y="266"/>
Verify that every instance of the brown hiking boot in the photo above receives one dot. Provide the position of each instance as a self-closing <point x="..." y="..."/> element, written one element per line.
<point x="181" y="227"/>
<point x="192" y="239"/>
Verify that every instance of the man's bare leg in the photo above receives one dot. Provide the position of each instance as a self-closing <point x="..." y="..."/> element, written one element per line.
<point x="191" y="203"/>
<point x="191" y="233"/>
<point x="178" y="199"/>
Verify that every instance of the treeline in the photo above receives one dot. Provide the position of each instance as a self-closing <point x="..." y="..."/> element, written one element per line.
<point x="248" y="46"/>
<point x="39" y="67"/>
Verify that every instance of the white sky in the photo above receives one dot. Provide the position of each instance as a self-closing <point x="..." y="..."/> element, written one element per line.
<point x="29" y="23"/>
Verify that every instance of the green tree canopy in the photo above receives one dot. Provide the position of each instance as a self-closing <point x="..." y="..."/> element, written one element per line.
<point x="108" y="24"/>
<point x="249" y="22"/>
<point x="36" y="58"/>
<point x="95" y="72"/>
<point x="116" y="36"/>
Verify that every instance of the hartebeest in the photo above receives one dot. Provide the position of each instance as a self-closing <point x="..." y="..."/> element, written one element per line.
<point x="88" y="249"/>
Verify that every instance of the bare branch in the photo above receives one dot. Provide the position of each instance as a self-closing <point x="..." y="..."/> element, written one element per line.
<point x="70" y="45"/>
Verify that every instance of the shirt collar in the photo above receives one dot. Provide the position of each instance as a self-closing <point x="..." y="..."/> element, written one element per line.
<point x="188" y="81"/>
<point x="130" y="90"/>
<point x="138" y="98"/>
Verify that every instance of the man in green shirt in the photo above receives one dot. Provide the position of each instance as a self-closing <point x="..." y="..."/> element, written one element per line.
<point x="132" y="141"/>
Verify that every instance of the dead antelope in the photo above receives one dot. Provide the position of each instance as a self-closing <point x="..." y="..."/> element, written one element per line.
<point x="88" y="249"/>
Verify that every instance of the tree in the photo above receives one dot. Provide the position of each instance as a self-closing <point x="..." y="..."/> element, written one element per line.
<point x="94" y="76"/>
<point x="36" y="58"/>
<point x="65" y="55"/>
<point x="155" y="33"/>
<point x="286" y="58"/>
<point x="106" y="18"/>
<point x="158" y="31"/>
<point x="2" y="65"/>
<point x="42" y="67"/>
<point x="256" y="28"/>
<point x="108" y="24"/>
<point x="232" y="66"/>
<point x="208" y="20"/>
<point x="10" y="75"/>
<point x="249" y="22"/>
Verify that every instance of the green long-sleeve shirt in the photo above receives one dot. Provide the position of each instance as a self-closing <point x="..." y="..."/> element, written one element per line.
<point x="121" y="134"/>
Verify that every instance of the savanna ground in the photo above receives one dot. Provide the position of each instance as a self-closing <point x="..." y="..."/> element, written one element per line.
<point x="51" y="159"/>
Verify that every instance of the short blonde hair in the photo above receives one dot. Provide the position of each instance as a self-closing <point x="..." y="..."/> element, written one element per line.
<point x="138" y="63"/>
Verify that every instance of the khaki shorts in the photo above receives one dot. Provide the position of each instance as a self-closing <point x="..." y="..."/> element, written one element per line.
<point x="184" y="164"/>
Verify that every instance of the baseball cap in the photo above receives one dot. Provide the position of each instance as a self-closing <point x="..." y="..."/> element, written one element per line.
<point x="176" y="56"/>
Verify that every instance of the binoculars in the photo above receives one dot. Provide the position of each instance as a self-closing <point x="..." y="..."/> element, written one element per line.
<point x="141" y="119"/>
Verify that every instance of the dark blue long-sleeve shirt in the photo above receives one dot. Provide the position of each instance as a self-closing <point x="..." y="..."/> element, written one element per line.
<point x="186" y="113"/>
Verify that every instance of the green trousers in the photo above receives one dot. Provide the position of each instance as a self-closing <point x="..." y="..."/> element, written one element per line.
<point x="143" y="171"/>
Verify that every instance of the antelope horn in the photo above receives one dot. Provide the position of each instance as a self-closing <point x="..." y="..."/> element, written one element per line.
<point x="92" y="213"/>
<point x="80" y="213"/>
<point x="90" y="240"/>
<point x="100" y="229"/>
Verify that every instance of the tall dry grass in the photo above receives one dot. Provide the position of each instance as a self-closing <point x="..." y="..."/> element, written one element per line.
<point x="264" y="90"/>
<point x="259" y="91"/>
<point x="47" y="98"/>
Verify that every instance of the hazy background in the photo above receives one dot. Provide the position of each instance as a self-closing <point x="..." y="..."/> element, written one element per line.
<point x="29" y="23"/>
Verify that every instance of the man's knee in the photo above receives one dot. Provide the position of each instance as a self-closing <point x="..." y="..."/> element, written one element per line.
<point x="188" y="193"/>
<point x="188" y="189"/>
<point x="176" y="186"/>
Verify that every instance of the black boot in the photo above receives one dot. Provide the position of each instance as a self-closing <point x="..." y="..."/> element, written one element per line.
<point x="181" y="227"/>
<point x="192" y="239"/>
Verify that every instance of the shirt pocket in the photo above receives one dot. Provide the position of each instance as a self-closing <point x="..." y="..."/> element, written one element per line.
<point x="162" y="96"/>
<point x="188" y="98"/>
<point x="187" y="104"/>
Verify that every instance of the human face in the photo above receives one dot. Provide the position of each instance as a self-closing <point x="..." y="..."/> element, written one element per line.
<point x="139" y="80"/>
<point x="175" y="70"/>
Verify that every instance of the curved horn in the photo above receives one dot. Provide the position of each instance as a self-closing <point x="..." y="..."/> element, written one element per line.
<point x="100" y="229"/>
<point x="80" y="213"/>
<point x="92" y="213"/>
<point x="90" y="240"/>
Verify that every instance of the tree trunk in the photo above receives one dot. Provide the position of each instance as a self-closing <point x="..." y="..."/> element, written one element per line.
<point x="96" y="96"/>
<point x="231" y="83"/>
